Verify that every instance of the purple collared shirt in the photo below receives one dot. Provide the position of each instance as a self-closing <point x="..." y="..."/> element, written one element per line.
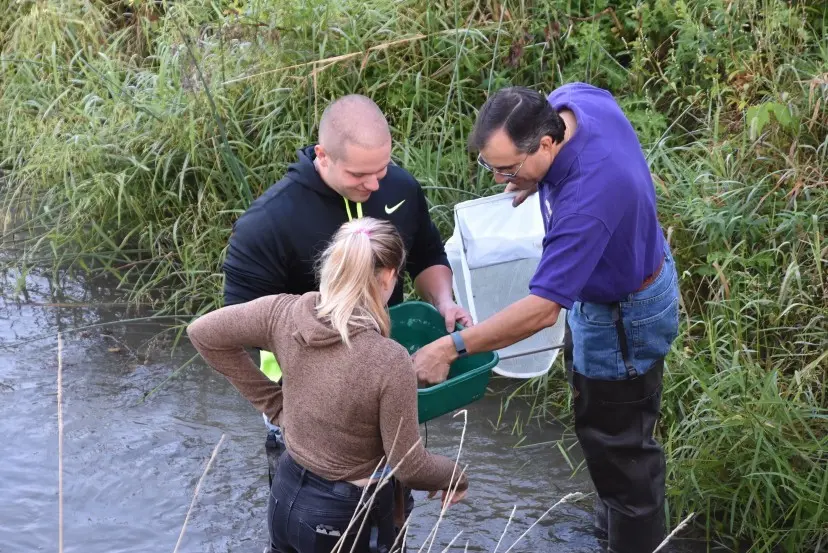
<point x="603" y="237"/>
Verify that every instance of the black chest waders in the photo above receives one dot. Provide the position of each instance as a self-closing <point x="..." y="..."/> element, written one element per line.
<point x="614" y="423"/>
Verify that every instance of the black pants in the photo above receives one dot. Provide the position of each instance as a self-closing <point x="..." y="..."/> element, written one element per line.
<point x="309" y="514"/>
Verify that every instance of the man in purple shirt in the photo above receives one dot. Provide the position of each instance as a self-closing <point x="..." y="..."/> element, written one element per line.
<point x="606" y="261"/>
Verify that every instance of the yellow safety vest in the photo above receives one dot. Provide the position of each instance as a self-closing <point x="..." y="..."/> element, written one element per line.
<point x="267" y="361"/>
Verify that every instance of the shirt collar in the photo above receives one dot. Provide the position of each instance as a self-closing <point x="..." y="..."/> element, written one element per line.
<point x="562" y="164"/>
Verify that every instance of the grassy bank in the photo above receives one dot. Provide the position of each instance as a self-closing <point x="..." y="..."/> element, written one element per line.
<point x="134" y="132"/>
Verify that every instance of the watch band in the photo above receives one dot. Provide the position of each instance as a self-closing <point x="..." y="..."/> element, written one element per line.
<point x="459" y="344"/>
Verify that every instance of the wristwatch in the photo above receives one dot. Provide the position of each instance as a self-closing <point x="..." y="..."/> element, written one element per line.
<point x="459" y="345"/>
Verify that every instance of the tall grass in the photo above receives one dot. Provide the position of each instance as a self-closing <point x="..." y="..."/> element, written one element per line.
<point x="135" y="131"/>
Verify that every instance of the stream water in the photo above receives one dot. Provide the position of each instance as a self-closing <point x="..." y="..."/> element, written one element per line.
<point x="131" y="465"/>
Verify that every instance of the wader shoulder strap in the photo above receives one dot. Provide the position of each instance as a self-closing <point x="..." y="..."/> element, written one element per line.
<point x="622" y="340"/>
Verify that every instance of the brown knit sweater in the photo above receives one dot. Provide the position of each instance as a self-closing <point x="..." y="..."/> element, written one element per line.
<point x="341" y="408"/>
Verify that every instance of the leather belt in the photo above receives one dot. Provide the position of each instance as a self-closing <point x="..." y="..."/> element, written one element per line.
<point x="649" y="280"/>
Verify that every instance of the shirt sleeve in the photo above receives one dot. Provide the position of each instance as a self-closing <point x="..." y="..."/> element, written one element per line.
<point x="428" y="249"/>
<point x="572" y="248"/>
<point x="416" y="467"/>
<point x="257" y="259"/>
<point x="221" y="336"/>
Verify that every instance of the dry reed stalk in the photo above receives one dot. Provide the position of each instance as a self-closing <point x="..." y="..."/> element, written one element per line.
<point x="60" y="440"/>
<point x="364" y="507"/>
<point x="450" y="543"/>
<point x="195" y="493"/>
<point x="564" y="499"/>
<point x="321" y="65"/>
<point x="452" y="489"/>
<point x="674" y="532"/>
<point x="505" y="528"/>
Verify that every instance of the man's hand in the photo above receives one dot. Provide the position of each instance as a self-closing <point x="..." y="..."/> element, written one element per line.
<point x="523" y="193"/>
<point x="434" y="286"/>
<point x="454" y="314"/>
<point x="432" y="361"/>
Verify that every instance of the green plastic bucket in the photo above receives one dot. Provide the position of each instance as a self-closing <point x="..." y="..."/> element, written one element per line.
<point x="415" y="324"/>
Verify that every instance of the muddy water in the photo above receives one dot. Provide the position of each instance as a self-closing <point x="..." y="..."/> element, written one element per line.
<point x="131" y="464"/>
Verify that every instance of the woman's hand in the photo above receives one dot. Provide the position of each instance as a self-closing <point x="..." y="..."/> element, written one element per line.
<point x="455" y="497"/>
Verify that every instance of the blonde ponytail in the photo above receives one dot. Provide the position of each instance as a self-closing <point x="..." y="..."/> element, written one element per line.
<point x="348" y="270"/>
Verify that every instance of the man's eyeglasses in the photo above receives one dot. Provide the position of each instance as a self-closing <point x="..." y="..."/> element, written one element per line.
<point x="491" y="169"/>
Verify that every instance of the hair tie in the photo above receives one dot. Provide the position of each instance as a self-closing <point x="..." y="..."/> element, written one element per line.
<point x="364" y="231"/>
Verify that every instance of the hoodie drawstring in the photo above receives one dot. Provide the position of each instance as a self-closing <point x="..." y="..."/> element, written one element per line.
<point x="348" y="209"/>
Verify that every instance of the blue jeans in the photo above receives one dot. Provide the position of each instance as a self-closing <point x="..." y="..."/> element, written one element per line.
<point x="308" y="514"/>
<point x="650" y="318"/>
<point x="615" y="361"/>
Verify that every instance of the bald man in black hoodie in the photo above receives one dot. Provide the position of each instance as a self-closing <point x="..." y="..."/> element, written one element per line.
<point x="348" y="174"/>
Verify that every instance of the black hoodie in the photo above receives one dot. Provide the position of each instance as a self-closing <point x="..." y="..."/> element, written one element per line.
<point x="277" y="241"/>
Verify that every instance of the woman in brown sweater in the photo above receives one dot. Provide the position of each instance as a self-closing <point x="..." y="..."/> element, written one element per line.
<point x="348" y="400"/>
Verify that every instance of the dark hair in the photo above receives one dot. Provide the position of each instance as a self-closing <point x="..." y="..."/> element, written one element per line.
<point x="524" y="114"/>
